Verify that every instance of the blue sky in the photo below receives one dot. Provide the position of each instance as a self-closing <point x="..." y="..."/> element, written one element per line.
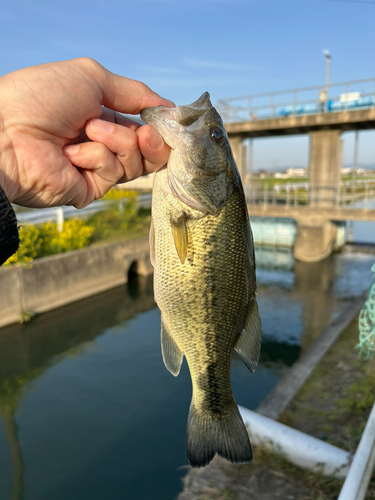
<point x="182" y="48"/>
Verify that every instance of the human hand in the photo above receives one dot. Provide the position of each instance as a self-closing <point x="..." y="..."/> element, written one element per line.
<point x="48" y="114"/>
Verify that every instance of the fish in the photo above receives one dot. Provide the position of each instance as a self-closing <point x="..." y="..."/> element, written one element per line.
<point x="202" y="250"/>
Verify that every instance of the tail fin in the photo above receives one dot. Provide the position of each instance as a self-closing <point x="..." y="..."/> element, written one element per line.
<point x="225" y="435"/>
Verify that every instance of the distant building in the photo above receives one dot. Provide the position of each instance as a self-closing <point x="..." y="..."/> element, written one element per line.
<point x="296" y="172"/>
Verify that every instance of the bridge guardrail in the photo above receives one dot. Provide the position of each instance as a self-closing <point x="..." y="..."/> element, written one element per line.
<point x="356" y="94"/>
<point x="346" y="195"/>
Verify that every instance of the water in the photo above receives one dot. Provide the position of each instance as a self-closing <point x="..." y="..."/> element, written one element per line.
<point x="362" y="231"/>
<point x="88" y="410"/>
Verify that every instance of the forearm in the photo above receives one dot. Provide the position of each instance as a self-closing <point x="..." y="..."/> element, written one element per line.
<point x="9" y="239"/>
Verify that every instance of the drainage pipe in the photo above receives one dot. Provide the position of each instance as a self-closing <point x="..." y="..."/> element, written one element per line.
<point x="298" y="448"/>
<point x="360" y="472"/>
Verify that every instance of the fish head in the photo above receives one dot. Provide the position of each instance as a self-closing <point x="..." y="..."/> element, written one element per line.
<point x="201" y="168"/>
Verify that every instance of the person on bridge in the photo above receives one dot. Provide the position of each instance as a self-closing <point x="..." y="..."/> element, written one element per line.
<point x="63" y="140"/>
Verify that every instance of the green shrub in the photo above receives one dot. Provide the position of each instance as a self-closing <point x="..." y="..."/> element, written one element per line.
<point x="117" y="217"/>
<point x="46" y="240"/>
<point x="30" y="246"/>
<point x="76" y="234"/>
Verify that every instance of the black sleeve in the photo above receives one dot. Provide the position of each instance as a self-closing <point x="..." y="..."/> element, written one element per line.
<point x="9" y="239"/>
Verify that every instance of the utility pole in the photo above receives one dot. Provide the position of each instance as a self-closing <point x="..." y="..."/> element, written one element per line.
<point x="327" y="55"/>
<point x="355" y="160"/>
<point x="250" y="158"/>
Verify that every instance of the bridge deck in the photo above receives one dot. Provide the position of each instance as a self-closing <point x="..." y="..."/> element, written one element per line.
<point x="303" y="124"/>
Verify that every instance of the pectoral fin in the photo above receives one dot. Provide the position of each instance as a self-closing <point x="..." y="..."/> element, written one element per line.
<point x="172" y="355"/>
<point x="151" y="241"/>
<point x="248" y="345"/>
<point x="180" y="237"/>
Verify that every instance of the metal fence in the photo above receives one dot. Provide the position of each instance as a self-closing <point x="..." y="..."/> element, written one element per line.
<point x="59" y="214"/>
<point x="356" y="94"/>
<point x="359" y="194"/>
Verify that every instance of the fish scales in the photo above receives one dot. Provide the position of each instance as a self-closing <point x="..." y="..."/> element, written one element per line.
<point x="204" y="278"/>
<point x="204" y="307"/>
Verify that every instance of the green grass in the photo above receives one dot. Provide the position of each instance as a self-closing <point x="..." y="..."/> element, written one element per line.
<point x="111" y="226"/>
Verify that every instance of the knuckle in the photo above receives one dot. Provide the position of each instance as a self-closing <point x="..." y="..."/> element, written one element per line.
<point x="142" y="87"/>
<point x="100" y="151"/>
<point x="130" y="150"/>
<point x="90" y="64"/>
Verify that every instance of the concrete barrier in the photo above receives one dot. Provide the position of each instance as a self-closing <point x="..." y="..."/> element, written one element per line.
<point x="60" y="279"/>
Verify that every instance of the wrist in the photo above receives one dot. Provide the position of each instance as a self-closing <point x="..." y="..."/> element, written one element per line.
<point x="6" y="149"/>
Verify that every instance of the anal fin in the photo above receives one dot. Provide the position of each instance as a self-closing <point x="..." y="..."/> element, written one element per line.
<point x="248" y="344"/>
<point x="172" y="354"/>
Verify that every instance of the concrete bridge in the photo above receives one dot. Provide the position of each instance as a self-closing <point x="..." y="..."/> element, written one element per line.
<point x="317" y="227"/>
<point x="310" y="111"/>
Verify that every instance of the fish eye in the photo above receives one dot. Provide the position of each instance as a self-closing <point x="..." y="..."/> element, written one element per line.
<point x="216" y="134"/>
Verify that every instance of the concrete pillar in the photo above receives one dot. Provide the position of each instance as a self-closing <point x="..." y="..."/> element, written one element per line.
<point x="239" y="153"/>
<point x="313" y="287"/>
<point x="325" y="166"/>
<point x="316" y="236"/>
<point x="315" y="239"/>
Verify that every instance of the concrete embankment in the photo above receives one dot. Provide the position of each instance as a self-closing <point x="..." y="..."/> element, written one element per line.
<point x="60" y="279"/>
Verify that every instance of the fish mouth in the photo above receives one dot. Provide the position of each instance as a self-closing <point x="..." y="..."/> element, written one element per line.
<point x="172" y="122"/>
<point x="163" y="119"/>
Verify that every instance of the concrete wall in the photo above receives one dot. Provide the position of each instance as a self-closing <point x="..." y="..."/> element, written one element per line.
<point x="360" y="119"/>
<point x="58" y="280"/>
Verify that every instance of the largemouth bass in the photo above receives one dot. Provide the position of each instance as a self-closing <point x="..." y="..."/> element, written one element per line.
<point x="204" y="281"/>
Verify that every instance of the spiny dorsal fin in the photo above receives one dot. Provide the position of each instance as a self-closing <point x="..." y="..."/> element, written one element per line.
<point x="180" y="237"/>
<point x="248" y="345"/>
<point x="172" y="355"/>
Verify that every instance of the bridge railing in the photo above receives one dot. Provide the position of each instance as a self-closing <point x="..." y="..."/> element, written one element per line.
<point x="350" y="195"/>
<point x="356" y="94"/>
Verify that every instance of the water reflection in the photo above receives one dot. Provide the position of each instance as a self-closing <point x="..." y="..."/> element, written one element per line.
<point x="314" y="286"/>
<point x="26" y="351"/>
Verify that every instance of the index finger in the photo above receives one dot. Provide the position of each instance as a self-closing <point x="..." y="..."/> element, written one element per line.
<point x="125" y="95"/>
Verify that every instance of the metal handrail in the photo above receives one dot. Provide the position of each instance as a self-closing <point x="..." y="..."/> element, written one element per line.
<point x="302" y="89"/>
<point x="344" y="195"/>
<point x="359" y="475"/>
<point x="249" y="108"/>
<point x="58" y="214"/>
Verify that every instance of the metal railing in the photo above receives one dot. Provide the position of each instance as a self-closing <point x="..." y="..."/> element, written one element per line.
<point x="58" y="214"/>
<point x="356" y="94"/>
<point x="348" y="194"/>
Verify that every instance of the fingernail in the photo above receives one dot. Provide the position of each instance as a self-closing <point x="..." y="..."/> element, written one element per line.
<point x="155" y="140"/>
<point x="72" y="149"/>
<point x="101" y="127"/>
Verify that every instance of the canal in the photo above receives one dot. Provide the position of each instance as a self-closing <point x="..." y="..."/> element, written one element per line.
<point x="88" y="410"/>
